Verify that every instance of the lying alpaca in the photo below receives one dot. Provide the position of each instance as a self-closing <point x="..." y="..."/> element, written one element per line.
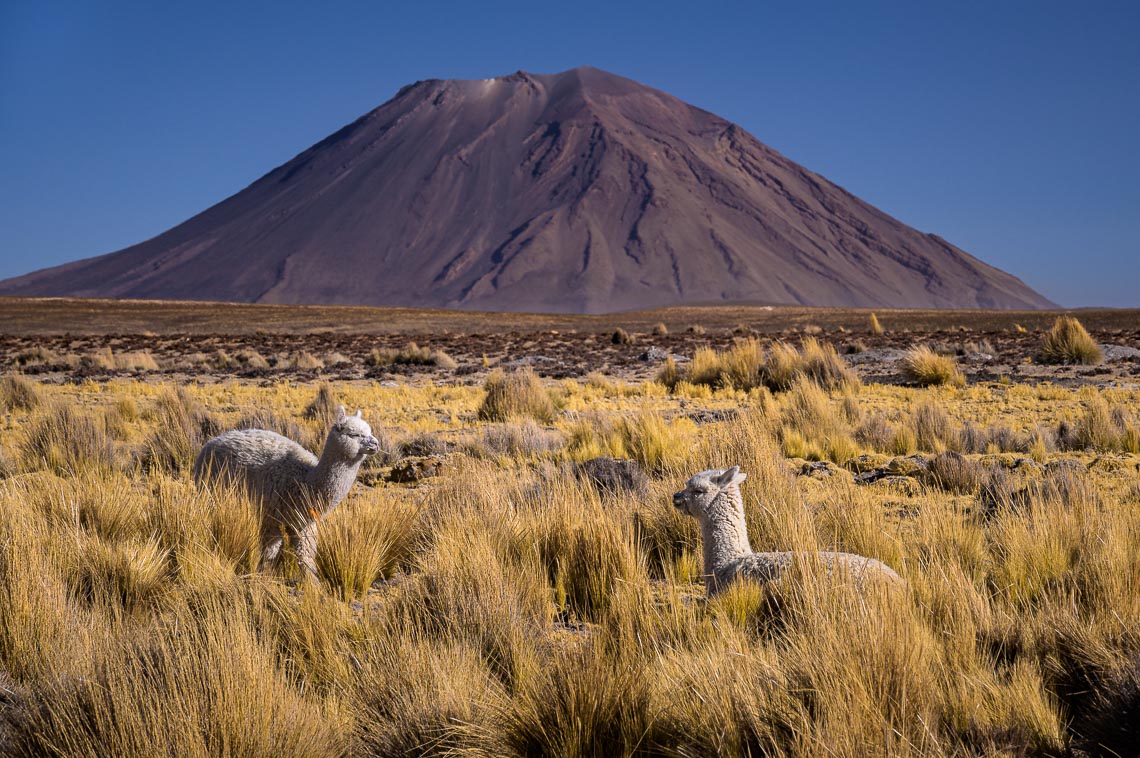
<point x="293" y="487"/>
<point x="713" y="498"/>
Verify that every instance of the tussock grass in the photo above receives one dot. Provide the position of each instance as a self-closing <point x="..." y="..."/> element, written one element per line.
<point x="182" y="427"/>
<point x="1069" y="342"/>
<point x="745" y="366"/>
<point x="873" y="325"/>
<point x="519" y="394"/>
<point x="66" y="440"/>
<point x="926" y="368"/>
<point x="1100" y="427"/>
<point x="365" y="544"/>
<point x="17" y="394"/>
<point x="411" y="355"/>
<point x="527" y="612"/>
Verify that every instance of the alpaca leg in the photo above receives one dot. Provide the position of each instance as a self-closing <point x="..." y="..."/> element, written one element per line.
<point x="271" y="551"/>
<point x="307" y="549"/>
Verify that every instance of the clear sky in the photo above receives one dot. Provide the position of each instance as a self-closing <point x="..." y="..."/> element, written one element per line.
<point x="1009" y="128"/>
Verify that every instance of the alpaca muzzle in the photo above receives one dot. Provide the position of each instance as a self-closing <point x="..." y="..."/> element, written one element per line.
<point x="679" y="501"/>
<point x="370" y="445"/>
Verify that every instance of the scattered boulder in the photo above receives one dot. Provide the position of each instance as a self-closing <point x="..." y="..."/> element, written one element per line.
<point x="1065" y="466"/>
<point x="865" y="463"/>
<point x="1119" y="352"/>
<point x="910" y="465"/>
<point x="614" y="475"/>
<point x="653" y="355"/>
<point x="819" y="469"/>
<point x="412" y="470"/>
<point x="901" y="485"/>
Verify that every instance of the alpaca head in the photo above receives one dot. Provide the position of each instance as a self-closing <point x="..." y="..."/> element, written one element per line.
<point x="351" y="436"/>
<point x="703" y="490"/>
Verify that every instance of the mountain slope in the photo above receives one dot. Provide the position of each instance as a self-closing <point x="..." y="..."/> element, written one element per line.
<point x="572" y="192"/>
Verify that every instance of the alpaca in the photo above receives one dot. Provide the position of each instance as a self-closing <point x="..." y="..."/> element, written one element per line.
<point x="293" y="487"/>
<point x="713" y="498"/>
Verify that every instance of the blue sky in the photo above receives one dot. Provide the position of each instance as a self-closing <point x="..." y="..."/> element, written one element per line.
<point x="1009" y="128"/>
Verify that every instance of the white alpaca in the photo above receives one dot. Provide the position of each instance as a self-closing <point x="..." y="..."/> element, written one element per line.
<point x="713" y="498"/>
<point x="293" y="487"/>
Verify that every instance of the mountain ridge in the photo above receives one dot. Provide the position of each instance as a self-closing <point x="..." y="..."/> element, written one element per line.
<point x="574" y="192"/>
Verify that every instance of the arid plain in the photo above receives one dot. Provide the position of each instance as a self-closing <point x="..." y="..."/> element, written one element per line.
<point x="486" y="590"/>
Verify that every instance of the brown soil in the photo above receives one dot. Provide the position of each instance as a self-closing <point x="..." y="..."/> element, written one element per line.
<point x="555" y="346"/>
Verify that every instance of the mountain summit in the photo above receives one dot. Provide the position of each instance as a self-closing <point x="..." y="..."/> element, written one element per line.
<point x="574" y="192"/>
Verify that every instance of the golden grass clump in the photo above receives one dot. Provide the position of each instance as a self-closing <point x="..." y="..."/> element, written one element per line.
<point x="821" y="364"/>
<point x="873" y="325"/>
<point x="1069" y="342"/>
<point x="509" y="607"/>
<point x="181" y="427"/>
<point x="17" y="394"/>
<point x="1102" y="428"/>
<point x="812" y="427"/>
<point x="518" y="394"/>
<point x="411" y="355"/>
<point x="926" y="368"/>
<point x="363" y="543"/>
<point x="745" y="366"/>
<point x="66" y="440"/>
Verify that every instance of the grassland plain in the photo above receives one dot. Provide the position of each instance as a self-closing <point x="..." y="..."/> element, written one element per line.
<point x="507" y="606"/>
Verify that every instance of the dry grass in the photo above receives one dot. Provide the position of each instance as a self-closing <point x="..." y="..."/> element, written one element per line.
<point x="411" y="355"/>
<point x="518" y="394"/>
<point x="1069" y="342"/>
<point x="873" y="325"/>
<point x="926" y="368"/>
<point x="17" y="394"/>
<point x="745" y="366"/>
<point x="506" y="608"/>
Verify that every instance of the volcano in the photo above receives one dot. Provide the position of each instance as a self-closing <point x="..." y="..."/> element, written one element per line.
<point x="578" y="192"/>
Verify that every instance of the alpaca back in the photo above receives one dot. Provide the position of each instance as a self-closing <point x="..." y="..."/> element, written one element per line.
<point x="274" y="469"/>
<point x="771" y="567"/>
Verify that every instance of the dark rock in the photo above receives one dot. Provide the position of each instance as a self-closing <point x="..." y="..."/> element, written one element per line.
<point x="653" y="355"/>
<point x="415" y="469"/>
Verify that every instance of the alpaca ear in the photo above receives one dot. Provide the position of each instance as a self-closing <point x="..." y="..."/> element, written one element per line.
<point x="340" y="414"/>
<point x="731" y="476"/>
<point x="358" y="410"/>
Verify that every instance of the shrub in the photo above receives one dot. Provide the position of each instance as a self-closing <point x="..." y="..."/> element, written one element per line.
<point x="518" y="394"/>
<point x="669" y="375"/>
<point x="66" y="440"/>
<point x="660" y="330"/>
<point x="1100" y="428"/>
<point x="821" y="364"/>
<point x="932" y="427"/>
<point x="873" y="325"/>
<point x="782" y="367"/>
<point x="17" y="394"/>
<point x="323" y="407"/>
<point x="621" y="337"/>
<point x="182" y="426"/>
<point x="357" y="548"/>
<point x="519" y="439"/>
<point x="955" y="473"/>
<point x="741" y="365"/>
<point x="926" y="368"/>
<point x="1069" y="342"/>
<point x="411" y="355"/>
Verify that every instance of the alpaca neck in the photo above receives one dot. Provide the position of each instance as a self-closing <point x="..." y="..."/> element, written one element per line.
<point x="725" y="533"/>
<point x="333" y="477"/>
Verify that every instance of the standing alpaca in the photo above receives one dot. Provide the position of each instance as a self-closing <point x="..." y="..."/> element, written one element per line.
<point x="293" y="487"/>
<point x="713" y="499"/>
